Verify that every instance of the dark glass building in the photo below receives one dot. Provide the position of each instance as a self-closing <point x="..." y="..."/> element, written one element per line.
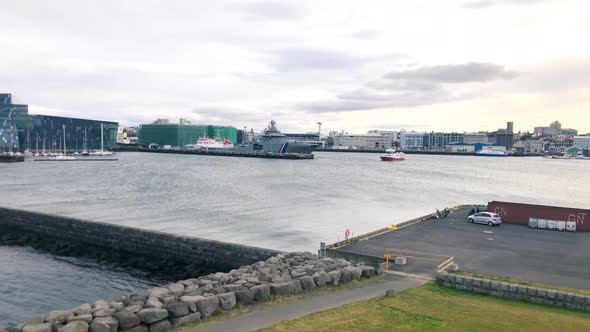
<point x="20" y="131"/>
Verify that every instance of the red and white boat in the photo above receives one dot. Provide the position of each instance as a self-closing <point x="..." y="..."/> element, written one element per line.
<point x="391" y="155"/>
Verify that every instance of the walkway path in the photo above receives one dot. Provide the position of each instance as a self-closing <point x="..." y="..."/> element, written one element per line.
<point x="272" y="315"/>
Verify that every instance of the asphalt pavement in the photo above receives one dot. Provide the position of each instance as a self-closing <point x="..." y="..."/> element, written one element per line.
<point x="551" y="257"/>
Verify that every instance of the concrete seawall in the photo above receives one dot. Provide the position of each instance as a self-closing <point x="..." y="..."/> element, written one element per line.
<point x="168" y="249"/>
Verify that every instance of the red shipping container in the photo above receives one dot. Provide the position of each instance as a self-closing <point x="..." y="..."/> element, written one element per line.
<point x="518" y="213"/>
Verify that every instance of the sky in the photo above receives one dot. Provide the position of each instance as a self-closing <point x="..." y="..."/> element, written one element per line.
<point x="453" y="65"/>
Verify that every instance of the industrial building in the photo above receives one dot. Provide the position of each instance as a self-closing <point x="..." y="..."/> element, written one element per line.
<point x="20" y="131"/>
<point x="182" y="134"/>
<point x="472" y="138"/>
<point x="439" y="141"/>
<point x="468" y="147"/>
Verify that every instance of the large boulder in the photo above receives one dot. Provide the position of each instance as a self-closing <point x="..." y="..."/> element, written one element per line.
<point x="82" y="309"/>
<point x="152" y="315"/>
<point x="286" y="288"/>
<point x="190" y="318"/>
<point x="77" y="326"/>
<point x="355" y="271"/>
<point x="307" y="283"/>
<point x="227" y="300"/>
<point x="161" y="326"/>
<point x="261" y="292"/>
<point x="104" y="324"/>
<point x="154" y="302"/>
<point x="177" y="309"/>
<point x="334" y="277"/>
<point x="207" y="306"/>
<point x="101" y="305"/>
<point x="104" y="313"/>
<point x="138" y="328"/>
<point x="367" y="271"/>
<point x="244" y="296"/>
<point x="133" y="308"/>
<point x="176" y="289"/>
<point x="159" y="292"/>
<point x="321" y="278"/>
<point x="126" y="319"/>
<point x="345" y="276"/>
<point x="58" y="316"/>
<point x="42" y="327"/>
<point x="81" y="318"/>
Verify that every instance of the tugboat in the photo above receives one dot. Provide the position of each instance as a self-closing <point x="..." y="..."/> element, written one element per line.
<point x="392" y="155"/>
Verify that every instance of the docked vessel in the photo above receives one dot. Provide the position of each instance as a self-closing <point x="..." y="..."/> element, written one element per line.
<point x="102" y="151"/>
<point x="272" y="140"/>
<point x="211" y="144"/>
<point x="392" y="155"/>
<point x="492" y="151"/>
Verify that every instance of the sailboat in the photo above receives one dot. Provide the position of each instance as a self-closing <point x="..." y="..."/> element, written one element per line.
<point x="102" y="152"/>
<point x="59" y="157"/>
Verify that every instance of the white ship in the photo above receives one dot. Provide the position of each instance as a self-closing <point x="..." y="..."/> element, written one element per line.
<point x="211" y="144"/>
<point x="492" y="151"/>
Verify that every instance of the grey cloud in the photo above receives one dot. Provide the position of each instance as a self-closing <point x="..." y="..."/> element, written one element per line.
<point x="290" y="59"/>
<point x="490" y="3"/>
<point x="411" y="88"/>
<point x="463" y="73"/>
<point x="225" y="114"/>
<point x="268" y="10"/>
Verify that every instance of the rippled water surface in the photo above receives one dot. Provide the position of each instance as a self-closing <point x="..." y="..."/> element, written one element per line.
<point x="33" y="283"/>
<point x="280" y="204"/>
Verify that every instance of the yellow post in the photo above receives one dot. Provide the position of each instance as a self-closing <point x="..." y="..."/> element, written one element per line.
<point x="387" y="257"/>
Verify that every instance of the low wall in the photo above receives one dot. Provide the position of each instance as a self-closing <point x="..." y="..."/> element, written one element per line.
<point x="515" y="291"/>
<point x="169" y="248"/>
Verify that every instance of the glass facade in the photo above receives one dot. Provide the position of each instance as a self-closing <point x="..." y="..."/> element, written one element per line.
<point x="21" y="131"/>
<point x="180" y="135"/>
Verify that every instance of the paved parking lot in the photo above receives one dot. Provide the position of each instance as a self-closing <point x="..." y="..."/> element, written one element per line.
<point x="515" y="251"/>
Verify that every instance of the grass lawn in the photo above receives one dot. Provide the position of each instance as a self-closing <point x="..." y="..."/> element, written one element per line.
<point x="436" y="308"/>
<point x="524" y="282"/>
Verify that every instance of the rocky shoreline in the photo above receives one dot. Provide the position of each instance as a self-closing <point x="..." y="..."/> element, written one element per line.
<point x="195" y="299"/>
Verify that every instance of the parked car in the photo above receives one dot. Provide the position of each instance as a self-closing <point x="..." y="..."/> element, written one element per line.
<point x="491" y="219"/>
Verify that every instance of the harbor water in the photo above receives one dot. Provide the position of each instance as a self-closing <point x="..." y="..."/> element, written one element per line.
<point x="278" y="204"/>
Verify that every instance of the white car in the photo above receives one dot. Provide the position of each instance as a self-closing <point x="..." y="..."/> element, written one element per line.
<point x="491" y="219"/>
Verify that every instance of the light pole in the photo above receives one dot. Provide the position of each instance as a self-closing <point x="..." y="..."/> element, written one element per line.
<point x="319" y="129"/>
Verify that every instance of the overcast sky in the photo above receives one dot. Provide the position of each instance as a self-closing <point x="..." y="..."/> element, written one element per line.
<point x="464" y="65"/>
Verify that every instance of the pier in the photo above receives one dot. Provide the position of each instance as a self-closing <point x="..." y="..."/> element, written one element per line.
<point x="11" y="158"/>
<point x="220" y="153"/>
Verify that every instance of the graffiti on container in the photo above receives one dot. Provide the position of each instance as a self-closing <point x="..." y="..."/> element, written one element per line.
<point x="577" y="217"/>
<point x="502" y="212"/>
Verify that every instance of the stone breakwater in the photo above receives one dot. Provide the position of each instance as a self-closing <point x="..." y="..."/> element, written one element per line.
<point x="192" y="300"/>
<point x="515" y="291"/>
<point x="164" y="255"/>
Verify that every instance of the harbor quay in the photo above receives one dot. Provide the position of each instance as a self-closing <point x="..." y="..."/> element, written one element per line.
<point x="510" y="250"/>
<point x="222" y="153"/>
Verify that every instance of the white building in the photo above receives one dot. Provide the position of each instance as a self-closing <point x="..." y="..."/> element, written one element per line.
<point x="367" y="141"/>
<point x="534" y="146"/>
<point x="411" y="140"/>
<point x="472" y="138"/>
<point x="582" y="142"/>
<point x="392" y="133"/>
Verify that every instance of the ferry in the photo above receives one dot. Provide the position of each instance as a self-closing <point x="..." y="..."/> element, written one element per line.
<point x="211" y="144"/>
<point x="492" y="151"/>
<point x="392" y="155"/>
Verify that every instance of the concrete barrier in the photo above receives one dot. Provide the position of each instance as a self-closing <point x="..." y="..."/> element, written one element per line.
<point x="515" y="291"/>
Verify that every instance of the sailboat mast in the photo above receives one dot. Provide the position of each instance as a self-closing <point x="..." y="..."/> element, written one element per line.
<point x="64" y="139"/>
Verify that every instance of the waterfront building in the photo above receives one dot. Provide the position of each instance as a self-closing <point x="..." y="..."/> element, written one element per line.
<point x="582" y="142"/>
<point x="503" y="137"/>
<point x="472" y="138"/>
<point x="181" y="135"/>
<point x="392" y="133"/>
<point x="569" y="132"/>
<point x="470" y="147"/>
<point x="411" y="140"/>
<point x="439" y="141"/>
<point x="362" y="141"/>
<point x="21" y="131"/>
<point x="534" y="146"/>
